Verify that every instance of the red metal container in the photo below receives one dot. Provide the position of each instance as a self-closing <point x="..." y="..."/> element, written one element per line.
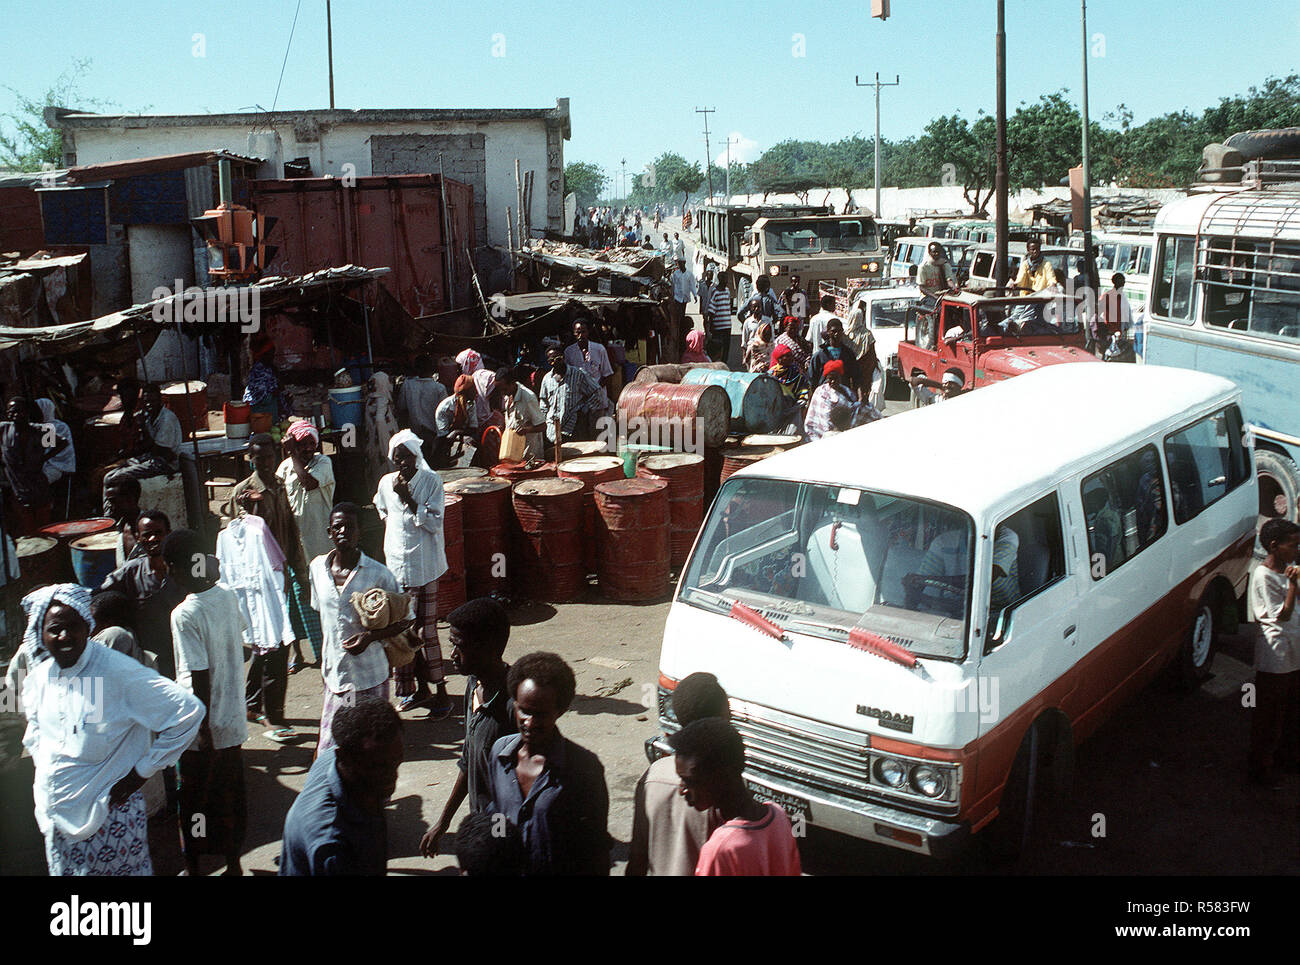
<point x="466" y="472"/>
<point x="633" y="538"/>
<point x="661" y="401"/>
<point x="191" y="396"/>
<point x="591" y="471"/>
<point x="486" y="527"/>
<point x="733" y="460"/>
<point x="513" y="472"/>
<point x="392" y="221"/>
<point x="684" y="473"/>
<point x="549" y="551"/>
<point x="41" y="560"/>
<point x="451" y="585"/>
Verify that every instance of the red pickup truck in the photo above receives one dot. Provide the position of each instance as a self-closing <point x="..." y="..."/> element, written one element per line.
<point x="989" y="339"/>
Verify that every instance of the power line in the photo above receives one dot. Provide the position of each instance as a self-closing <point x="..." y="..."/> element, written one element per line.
<point x="708" y="153"/>
<point x="286" y="55"/>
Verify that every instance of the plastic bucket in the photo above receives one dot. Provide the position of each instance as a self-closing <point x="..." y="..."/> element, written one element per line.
<point x="346" y="407"/>
<point x="237" y="416"/>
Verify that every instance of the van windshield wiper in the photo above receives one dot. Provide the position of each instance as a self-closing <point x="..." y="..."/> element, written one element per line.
<point x="864" y="640"/>
<point x="745" y="614"/>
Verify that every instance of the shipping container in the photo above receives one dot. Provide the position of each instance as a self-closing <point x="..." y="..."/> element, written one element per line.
<point x="378" y="222"/>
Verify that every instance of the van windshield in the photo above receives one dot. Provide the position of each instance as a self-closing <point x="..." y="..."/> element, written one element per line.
<point x="825" y="560"/>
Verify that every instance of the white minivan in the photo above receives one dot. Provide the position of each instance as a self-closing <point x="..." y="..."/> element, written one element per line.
<point x="918" y="620"/>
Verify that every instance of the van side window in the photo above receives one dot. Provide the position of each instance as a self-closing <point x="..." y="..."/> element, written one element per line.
<point x="1028" y="555"/>
<point x="1206" y="461"/>
<point x="1173" y="291"/>
<point x="1124" y="506"/>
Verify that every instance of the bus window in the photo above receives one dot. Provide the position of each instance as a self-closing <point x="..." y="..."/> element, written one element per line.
<point x="1173" y="293"/>
<point x="1206" y="461"/>
<point x="1106" y="258"/>
<point x="1144" y="260"/>
<point x="1124" y="507"/>
<point x="1254" y="288"/>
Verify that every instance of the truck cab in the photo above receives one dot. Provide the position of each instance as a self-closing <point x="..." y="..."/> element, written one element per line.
<point x="988" y="340"/>
<point x="826" y="248"/>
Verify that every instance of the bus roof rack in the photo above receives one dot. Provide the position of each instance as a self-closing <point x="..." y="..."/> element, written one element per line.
<point x="1281" y="174"/>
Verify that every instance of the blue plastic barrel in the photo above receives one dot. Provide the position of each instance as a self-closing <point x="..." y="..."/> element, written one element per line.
<point x="94" y="557"/>
<point x="346" y="407"/>
<point x="756" y="399"/>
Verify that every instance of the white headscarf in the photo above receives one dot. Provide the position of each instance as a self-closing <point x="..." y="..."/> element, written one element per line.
<point x="469" y="361"/>
<point x="37" y="603"/>
<point x="409" y="439"/>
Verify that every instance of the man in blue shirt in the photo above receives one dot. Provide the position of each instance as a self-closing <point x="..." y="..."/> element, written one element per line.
<point x="337" y="825"/>
<point x="550" y="788"/>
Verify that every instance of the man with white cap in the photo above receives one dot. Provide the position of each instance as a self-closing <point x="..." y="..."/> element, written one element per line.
<point x="410" y="502"/>
<point x="951" y="386"/>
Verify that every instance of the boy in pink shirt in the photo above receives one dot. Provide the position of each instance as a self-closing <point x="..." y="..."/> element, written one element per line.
<point x="753" y="838"/>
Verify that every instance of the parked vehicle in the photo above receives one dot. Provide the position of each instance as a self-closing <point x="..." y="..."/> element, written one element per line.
<point x="1225" y="298"/>
<point x="986" y="340"/>
<point x="1126" y="252"/>
<point x="918" y="621"/>
<point x="886" y="311"/>
<point x="983" y="261"/>
<point x="909" y="252"/>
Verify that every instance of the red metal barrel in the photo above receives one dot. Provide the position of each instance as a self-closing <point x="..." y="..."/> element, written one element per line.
<point x="733" y="460"/>
<point x="513" y="472"/>
<point x="467" y="472"/>
<point x="451" y="585"/>
<point x="486" y="526"/>
<point x="684" y="473"/>
<point x="577" y="449"/>
<point x="191" y="396"/>
<point x="661" y="401"/>
<point x="769" y="439"/>
<point x="591" y="471"/>
<point x="549" y="552"/>
<point x="633" y="538"/>
<point x="39" y="560"/>
<point x="66" y="532"/>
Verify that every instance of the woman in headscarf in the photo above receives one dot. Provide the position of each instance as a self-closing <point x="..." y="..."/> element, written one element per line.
<point x="23" y="455"/>
<point x="99" y="724"/>
<point x="758" y="353"/>
<point x="830" y="393"/>
<point x="456" y="419"/>
<point x="794" y="384"/>
<point x="410" y="502"/>
<point x="308" y="476"/>
<point x="800" y="350"/>
<point x="263" y="386"/>
<point x="695" y="347"/>
<point x="381" y="423"/>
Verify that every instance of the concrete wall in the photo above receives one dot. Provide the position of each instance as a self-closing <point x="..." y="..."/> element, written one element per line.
<point x="346" y="149"/>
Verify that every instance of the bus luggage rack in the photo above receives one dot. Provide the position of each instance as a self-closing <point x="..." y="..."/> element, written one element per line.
<point x="1278" y="175"/>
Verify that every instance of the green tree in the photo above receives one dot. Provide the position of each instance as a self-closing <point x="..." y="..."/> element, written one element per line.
<point x="32" y="144"/>
<point x="586" y="180"/>
<point x="685" y="180"/>
<point x="952" y="151"/>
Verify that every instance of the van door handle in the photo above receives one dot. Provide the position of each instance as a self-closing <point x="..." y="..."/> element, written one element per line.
<point x="1069" y="631"/>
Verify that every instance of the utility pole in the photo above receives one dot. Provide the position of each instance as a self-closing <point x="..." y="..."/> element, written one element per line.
<point x="329" y="46"/>
<point x="708" y="153"/>
<point x="1000" y="179"/>
<point x="730" y="141"/>
<point x="1087" y="173"/>
<point x="624" y="163"/>
<point x="877" y="85"/>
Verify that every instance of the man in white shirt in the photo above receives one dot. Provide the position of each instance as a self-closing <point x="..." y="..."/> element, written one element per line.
<point x="679" y="247"/>
<point x="522" y="411"/>
<point x="683" y="288"/>
<point x="410" y="502"/>
<point x="589" y="356"/>
<point x="99" y="724"/>
<point x="817" y="324"/>
<point x="418" y="399"/>
<point x="208" y="632"/>
<point x="354" y="666"/>
<point x="158" y="452"/>
<point x="1273" y="594"/>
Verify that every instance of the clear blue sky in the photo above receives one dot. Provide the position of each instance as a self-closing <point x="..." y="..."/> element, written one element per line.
<point x="635" y="71"/>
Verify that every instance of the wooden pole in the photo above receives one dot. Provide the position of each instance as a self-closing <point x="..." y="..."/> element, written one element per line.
<point x="519" y="211"/>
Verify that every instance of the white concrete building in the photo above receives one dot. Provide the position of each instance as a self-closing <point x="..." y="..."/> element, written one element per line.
<point x="477" y="146"/>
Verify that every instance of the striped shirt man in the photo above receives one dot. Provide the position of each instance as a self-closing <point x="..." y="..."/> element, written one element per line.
<point x="720" y="311"/>
<point x="564" y="398"/>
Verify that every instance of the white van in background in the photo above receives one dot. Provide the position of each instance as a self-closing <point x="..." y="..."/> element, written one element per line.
<point x="918" y="620"/>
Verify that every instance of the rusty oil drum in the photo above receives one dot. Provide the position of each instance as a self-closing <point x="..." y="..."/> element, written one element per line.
<point x="451" y="585"/>
<point x="659" y="401"/>
<point x="684" y="473"/>
<point x="41" y="560"/>
<point x="549" y="549"/>
<point x="485" y="523"/>
<point x="513" y="472"/>
<point x="736" y="459"/>
<point x="633" y="539"/>
<point x="591" y="471"/>
<point x="464" y="472"/>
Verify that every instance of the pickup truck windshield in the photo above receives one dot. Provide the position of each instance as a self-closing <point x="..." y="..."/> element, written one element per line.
<point x="824" y="560"/>
<point x="802" y="237"/>
<point x="890" y="313"/>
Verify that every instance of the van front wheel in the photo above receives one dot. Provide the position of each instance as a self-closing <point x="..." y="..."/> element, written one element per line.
<point x="1007" y="838"/>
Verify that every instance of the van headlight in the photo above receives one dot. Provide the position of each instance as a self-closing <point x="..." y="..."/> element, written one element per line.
<point x="891" y="772"/>
<point x="930" y="781"/>
<point x="774" y="270"/>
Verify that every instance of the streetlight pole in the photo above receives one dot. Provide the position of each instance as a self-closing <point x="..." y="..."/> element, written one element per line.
<point x="730" y="141"/>
<point x="624" y="163"/>
<point x="877" y="85"/>
<point x="1087" y="173"/>
<point x="1000" y="179"/>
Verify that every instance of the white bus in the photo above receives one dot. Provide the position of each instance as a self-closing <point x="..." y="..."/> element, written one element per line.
<point x="1224" y="298"/>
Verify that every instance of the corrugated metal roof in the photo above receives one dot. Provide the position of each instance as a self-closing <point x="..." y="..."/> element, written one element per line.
<point x="152" y="165"/>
